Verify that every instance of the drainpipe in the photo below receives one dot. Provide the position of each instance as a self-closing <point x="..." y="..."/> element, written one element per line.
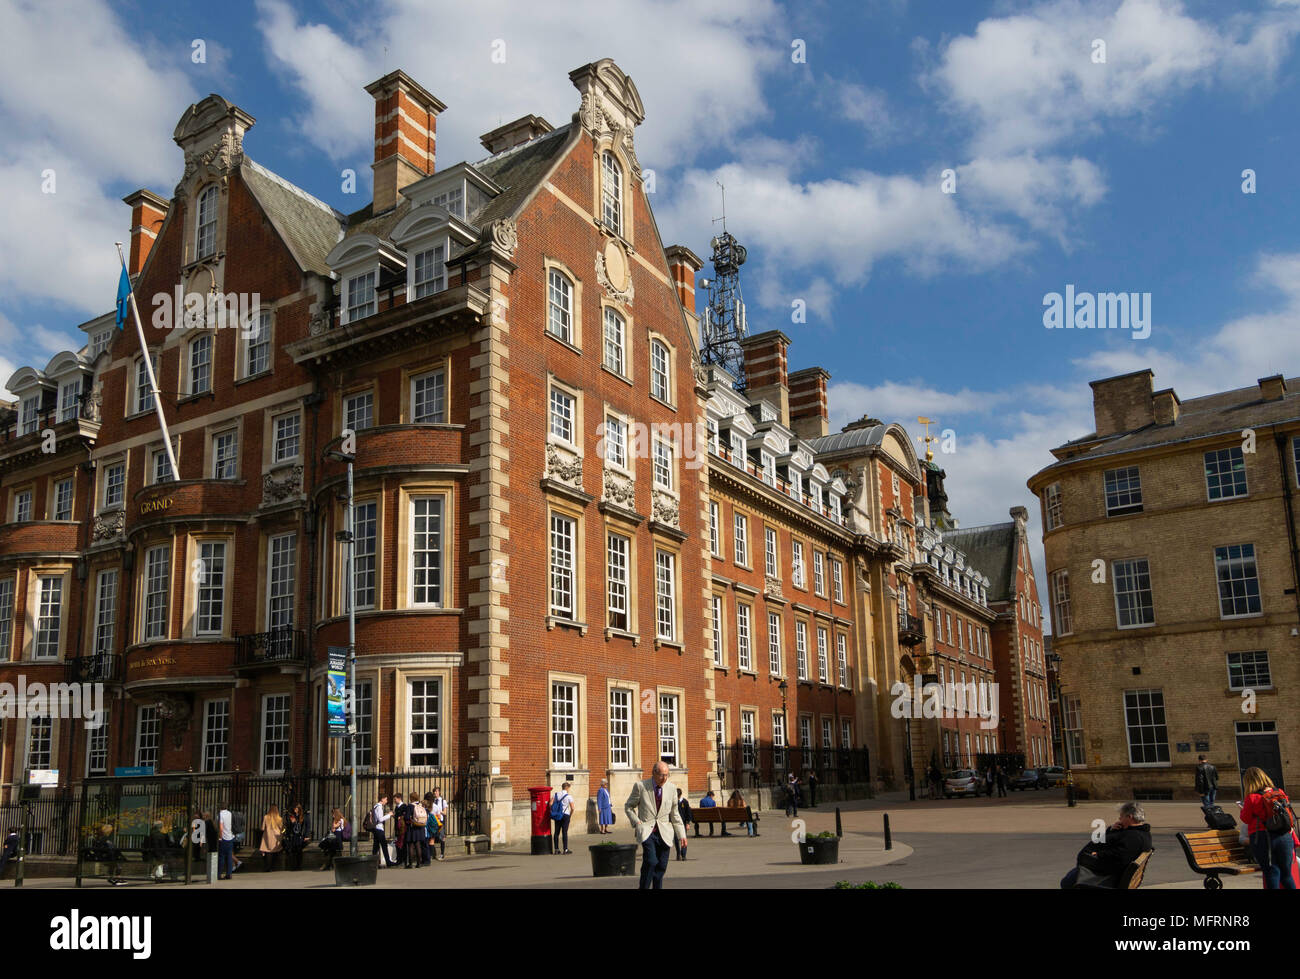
<point x="1279" y="440"/>
<point x="313" y="401"/>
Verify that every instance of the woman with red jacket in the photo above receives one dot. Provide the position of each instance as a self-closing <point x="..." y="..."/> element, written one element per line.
<point x="1273" y="852"/>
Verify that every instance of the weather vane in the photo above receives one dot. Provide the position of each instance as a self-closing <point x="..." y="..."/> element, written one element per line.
<point x="928" y="438"/>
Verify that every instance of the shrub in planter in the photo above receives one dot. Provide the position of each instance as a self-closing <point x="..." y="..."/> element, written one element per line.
<point x="612" y="859"/>
<point x="820" y="848"/>
<point x="867" y="885"/>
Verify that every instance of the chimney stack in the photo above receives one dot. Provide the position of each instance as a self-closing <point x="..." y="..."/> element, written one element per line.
<point x="148" y="211"/>
<point x="765" y="370"/>
<point x="809" y="413"/>
<point x="1123" y="404"/>
<point x="405" y="135"/>
<point x="1164" y="407"/>
<point x="514" y="133"/>
<point x="1272" y="388"/>
<point x="682" y="266"/>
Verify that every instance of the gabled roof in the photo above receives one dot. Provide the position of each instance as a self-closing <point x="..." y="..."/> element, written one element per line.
<point x="308" y="227"/>
<point x="992" y="550"/>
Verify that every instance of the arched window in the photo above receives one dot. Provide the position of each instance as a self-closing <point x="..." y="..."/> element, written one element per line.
<point x="611" y="192"/>
<point x="206" y="228"/>
<point x="559" y="316"/>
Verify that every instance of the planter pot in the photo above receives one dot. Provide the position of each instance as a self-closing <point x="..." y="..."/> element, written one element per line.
<point x="819" y="850"/>
<point x="618" y="860"/>
<point x="355" y="871"/>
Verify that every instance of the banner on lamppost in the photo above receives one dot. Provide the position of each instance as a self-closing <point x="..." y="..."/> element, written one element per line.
<point x="336" y="682"/>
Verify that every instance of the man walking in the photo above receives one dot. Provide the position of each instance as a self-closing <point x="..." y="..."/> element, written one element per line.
<point x="561" y="813"/>
<point x="1207" y="781"/>
<point x="657" y="823"/>
<point x="1001" y="776"/>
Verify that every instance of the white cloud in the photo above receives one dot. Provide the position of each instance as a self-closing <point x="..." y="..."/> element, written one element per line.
<point x="699" y="69"/>
<point x="81" y="97"/>
<point x="1028" y="80"/>
<point x="1038" y="191"/>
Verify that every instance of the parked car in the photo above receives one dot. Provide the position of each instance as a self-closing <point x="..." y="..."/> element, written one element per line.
<point x="1030" y="778"/>
<point x="962" y="782"/>
<point x="1053" y="775"/>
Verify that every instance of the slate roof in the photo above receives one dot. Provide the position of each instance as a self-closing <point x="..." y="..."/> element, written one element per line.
<point x="309" y="227"/>
<point x="856" y="439"/>
<point x="992" y="550"/>
<point x="1227" y="411"/>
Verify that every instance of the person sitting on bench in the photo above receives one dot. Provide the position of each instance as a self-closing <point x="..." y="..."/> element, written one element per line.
<point x="1103" y="864"/>
<point x="737" y="801"/>
<point x="708" y="802"/>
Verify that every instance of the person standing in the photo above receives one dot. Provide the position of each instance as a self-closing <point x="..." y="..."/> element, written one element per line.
<point x="272" y="837"/>
<point x="989" y="778"/>
<point x="1269" y="820"/>
<point x="437" y="807"/>
<point x="561" y="813"/>
<point x="225" y="844"/>
<point x="812" y="788"/>
<point x="792" y="796"/>
<point x="377" y="818"/>
<point x="1001" y="777"/>
<point x="297" y="833"/>
<point x="417" y="843"/>
<point x="653" y="815"/>
<point x="684" y="807"/>
<point x="10" y="848"/>
<point x="604" y="808"/>
<point x="936" y="782"/>
<point x="1207" y="781"/>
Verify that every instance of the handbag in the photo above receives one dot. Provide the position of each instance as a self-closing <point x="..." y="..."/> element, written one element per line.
<point x="1086" y="877"/>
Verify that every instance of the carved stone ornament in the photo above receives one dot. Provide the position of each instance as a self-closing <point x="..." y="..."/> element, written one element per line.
<point x="613" y="275"/>
<point x="109" y="525"/>
<point x="277" y="489"/>
<point x="772" y="587"/>
<point x="563" y="466"/>
<point x="619" y="490"/>
<point x="219" y="160"/>
<point x="666" y="510"/>
<point x="176" y="711"/>
<point x="318" y="323"/>
<point x="590" y="115"/>
<point x="93" y="410"/>
<point x="505" y="235"/>
<point x="701" y="371"/>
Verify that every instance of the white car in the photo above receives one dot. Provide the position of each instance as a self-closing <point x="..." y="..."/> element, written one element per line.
<point x="961" y="782"/>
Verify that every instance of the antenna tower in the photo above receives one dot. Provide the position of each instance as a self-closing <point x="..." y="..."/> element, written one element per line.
<point x="723" y="325"/>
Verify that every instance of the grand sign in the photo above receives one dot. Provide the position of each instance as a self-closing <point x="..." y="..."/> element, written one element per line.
<point x="156" y="505"/>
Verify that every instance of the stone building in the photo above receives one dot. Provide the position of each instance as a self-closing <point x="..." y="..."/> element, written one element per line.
<point x="1170" y="541"/>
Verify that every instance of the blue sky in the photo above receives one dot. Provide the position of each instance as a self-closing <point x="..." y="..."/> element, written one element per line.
<point x="1122" y="175"/>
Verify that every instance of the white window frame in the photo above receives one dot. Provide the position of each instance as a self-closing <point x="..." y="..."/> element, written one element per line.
<point x="563" y="550"/>
<point x="420" y="405"/>
<point x="432" y="544"/>
<point x="360" y="295"/>
<point x="665" y="595"/>
<point x="265" y="739"/>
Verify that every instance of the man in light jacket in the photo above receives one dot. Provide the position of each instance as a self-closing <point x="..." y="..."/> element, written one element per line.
<point x="655" y="819"/>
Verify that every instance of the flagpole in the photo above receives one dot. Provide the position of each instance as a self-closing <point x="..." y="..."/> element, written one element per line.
<point x="153" y="381"/>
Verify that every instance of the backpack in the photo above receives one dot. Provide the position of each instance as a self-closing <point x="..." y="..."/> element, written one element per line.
<point x="557" y="805"/>
<point x="368" y="824"/>
<point x="1278" y="818"/>
<point x="419" y="816"/>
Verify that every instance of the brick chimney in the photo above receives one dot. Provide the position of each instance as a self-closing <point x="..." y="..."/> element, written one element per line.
<point x="1272" y="388"/>
<point x="513" y="133"/>
<point x="148" y="211"/>
<point x="406" y="119"/>
<point x="765" y="370"/>
<point x="1123" y="403"/>
<point x="1164" y="406"/>
<point x="682" y="266"/>
<point x="809" y="415"/>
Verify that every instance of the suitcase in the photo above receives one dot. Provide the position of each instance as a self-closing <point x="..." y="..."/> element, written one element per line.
<point x="1216" y="818"/>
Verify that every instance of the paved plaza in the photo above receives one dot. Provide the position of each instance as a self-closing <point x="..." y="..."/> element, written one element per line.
<point x="1025" y="841"/>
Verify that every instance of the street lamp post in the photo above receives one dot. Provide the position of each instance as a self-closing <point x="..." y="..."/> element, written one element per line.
<point x="785" y="718"/>
<point x="1055" y="660"/>
<point x="349" y="538"/>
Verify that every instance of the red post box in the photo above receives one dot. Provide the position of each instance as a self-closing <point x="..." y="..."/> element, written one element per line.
<point x="541" y="809"/>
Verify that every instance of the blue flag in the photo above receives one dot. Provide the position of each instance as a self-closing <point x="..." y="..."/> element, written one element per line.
<point x="123" y="298"/>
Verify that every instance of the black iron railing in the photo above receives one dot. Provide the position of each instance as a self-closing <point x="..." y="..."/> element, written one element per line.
<point x="911" y="630"/>
<point x="274" y="646"/>
<point x="742" y="766"/>
<point x="101" y="668"/>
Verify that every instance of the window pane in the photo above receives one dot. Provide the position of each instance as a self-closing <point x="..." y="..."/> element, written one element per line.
<point x="426" y="551"/>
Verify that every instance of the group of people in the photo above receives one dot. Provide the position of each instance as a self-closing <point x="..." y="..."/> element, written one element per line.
<point x="417" y="826"/>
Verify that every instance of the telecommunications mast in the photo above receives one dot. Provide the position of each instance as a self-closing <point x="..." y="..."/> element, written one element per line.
<point x="723" y="324"/>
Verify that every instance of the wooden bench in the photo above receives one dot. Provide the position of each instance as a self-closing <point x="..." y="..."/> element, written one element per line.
<point x="723" y="815"/>
<point x="1216" y="852"/>
<point x="1130" y="879"/>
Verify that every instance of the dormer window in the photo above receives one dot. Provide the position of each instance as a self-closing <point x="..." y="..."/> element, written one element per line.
<point x="816" y="503"/>
<point x="835" y="508"/>
<point x="796" y="485"/>
<point x="769" y="467"/>
<point x="453" y="200"/>
<point x="205" y="235"/>
<point x="429" y="271"/>
<point x="69" y="399"/>
<point x="737" y="449"/>
<point x="611" y="192"/>
<point x="361" y="296"/>
<point x="30" y="417"/>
